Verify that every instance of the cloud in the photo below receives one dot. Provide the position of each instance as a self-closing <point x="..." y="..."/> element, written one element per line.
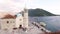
<point x="18" y="5"/>
<point x="11" y="5"/>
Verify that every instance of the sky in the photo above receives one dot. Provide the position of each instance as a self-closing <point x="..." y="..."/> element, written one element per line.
<point x="14" y="6"/>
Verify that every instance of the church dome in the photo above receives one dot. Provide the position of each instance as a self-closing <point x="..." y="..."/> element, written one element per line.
<point x="19" y="14"/>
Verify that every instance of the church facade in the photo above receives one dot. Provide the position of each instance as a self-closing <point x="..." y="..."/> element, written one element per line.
<point x="9" y="21"/>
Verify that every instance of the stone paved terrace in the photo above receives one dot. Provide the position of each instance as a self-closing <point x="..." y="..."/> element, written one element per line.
<point x="32" y="30"/>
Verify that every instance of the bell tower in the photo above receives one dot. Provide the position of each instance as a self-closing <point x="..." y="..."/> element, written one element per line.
<point x="25" y="18"/>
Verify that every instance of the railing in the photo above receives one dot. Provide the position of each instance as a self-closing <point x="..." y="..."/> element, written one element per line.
<point x="40" y="27"/>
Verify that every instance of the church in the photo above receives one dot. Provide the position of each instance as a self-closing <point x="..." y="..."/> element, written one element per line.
<point x="10" y="22"/>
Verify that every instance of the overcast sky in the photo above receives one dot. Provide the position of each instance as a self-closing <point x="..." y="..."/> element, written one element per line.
<point x="52" y="6"/>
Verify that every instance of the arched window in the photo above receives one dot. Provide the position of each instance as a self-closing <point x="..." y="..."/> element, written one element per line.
<point x="7" y="21"/>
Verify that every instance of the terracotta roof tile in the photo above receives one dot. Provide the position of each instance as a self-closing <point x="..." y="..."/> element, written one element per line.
<point x="8" y="16"/>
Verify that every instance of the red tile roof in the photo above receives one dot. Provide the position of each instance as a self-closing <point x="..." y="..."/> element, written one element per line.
<point x="8" y="16"/>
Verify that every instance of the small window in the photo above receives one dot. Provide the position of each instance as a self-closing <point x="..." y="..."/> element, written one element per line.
<point x="20" y="19"/>
<point x="13" y="21"/>
<point x="7" y="21"/>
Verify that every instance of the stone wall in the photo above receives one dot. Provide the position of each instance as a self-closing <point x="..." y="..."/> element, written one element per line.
<point x="7" y="23"/>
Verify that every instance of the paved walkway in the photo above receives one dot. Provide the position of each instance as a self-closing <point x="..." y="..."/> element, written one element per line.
<point x="31" y="30"/>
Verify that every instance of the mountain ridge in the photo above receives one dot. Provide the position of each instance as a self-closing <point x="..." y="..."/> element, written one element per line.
<point x="39" y="12"/>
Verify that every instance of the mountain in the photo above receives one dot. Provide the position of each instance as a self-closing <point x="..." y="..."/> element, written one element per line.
<point x="39" y="12"/>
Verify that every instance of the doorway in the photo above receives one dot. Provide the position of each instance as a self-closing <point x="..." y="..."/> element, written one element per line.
<point x="20" y="26"/>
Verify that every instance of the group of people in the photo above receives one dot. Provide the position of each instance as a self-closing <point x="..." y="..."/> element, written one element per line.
<point x="20" y="27"/>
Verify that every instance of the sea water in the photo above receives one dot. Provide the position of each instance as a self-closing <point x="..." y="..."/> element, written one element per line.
<point x="52" y="22"/>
